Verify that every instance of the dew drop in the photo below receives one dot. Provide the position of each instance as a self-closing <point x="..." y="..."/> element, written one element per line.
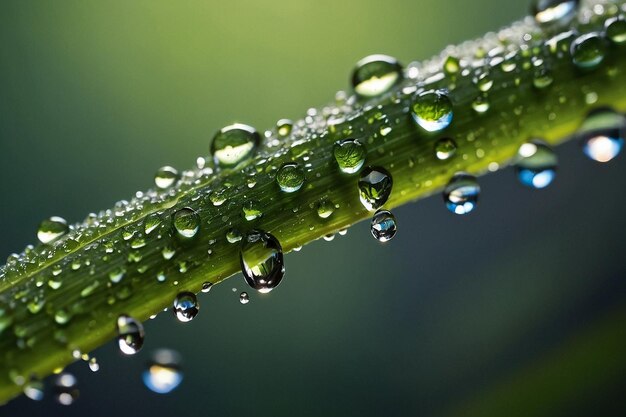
<point x="186" y="222"/>
<point x="34" y="389"/>
<point x="185" y="306"/>
<point x="65" y="391"/>
<point x="383" y="226"/>
<point x="233" y="144"/>
<point x="325" y="209"/>
<point x="542" y="78"/>
<point x="165" y="177"/>
<point x="616" y="30"/>
<point x="375" y="75"/>
<point x="163" y="373"/>
<point x="461" y="193"/>
<point x="233" y="236"/>
<point x="152" y="222"/>
<point x="206" y="287"/>
<point x="445" y="148"/>
<point x="554" y="12"/>
<point x="290" y="177"/>
<point x="94" y="366"/>
<point x="451" y="65"/>
<point x="283" y="127"/>
<point x="52" y="229"/>
<point x="588" y="51"/>
<point x="350" y="155"/>
<point x="602" y="134"/>
<point x="251" y="210"/>
<point x="261" y="257"/>
<point x="375" y="186"/>
<point x="244" y="298"/>
<point x="480" y="104"/>
<point x="536" y="164"/>
<point x="130" y="334"/>
<point x="432" y="110"/>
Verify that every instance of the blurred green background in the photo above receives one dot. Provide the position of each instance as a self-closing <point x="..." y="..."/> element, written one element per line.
<point x="518" y="309"/>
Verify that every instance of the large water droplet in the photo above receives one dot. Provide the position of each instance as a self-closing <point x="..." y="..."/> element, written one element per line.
<point x="375" y="187"/>
<point x="186" y="222"/>
<point x="602" y="134"/>
<point x="383" y="226"/>
<point x="186" y="306"/>
<point x="375" y="75"/>
<point x="461" y="193"/>
<point x="616" y="30"/>
<point x="432" y="110"/>
<point x="554" y="12"/>
<point x="261" y="259"/>
<point x="234" y="143"/>
<point x="163" y="373"/>
<point x="165" y="177"/>
<point x="588" y="51"/>
<point x="350" y="155"/>
<point x="130" y="334"/>
<point x="290" y="177"/>
<point x="52" y="229"/>
<point x="65" y="391"/>
<point x="536" y="164"/>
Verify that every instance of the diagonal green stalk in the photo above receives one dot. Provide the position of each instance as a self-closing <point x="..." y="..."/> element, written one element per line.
<point x="59" y="298"/>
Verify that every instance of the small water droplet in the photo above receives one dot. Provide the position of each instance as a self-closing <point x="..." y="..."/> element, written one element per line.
<point x="186" y="222"/>
<point x="554" y="12"/>
<point x="94" y="366"/>
<point x="283" y="127"/>
<point x="251" y="210"/>
<point x="602" y="134"/>
<point x="542" y="78"/>
<point x="383" y="226"/>
<point x="432" y="110"/>
<point x="34" y="389"/>
<point x="375" y="75"/>
<point x="165" y="177"/>
<point x="163" y="373"/>
<point x="52" y="229"/>
<point x="461" y="193"/>
<point x="480" y="104"/>
<point x="536" y="164"/>
<point x="451" y="65"/>
<point x="375" y="186"/>
<point x="244" y="298"/>
<point x="206" y="287"/>
<point x="233" y="144"/>
<point x="261" y="259"/>
<point x="616" y="30"/>
<point x="130" y="334"/>
<point x="588" y="51"/>
<point x="325" y="209"/>
<point x="152" y="222"/>
<point x="350" y="155"/>
<point x="65" y="391"/>
<point x="290" y="177"/>
<point x="185" y="306"/>
<point x="445" y="148"/>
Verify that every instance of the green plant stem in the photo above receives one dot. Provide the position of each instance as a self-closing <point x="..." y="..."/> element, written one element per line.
<point x="55" y="299"/>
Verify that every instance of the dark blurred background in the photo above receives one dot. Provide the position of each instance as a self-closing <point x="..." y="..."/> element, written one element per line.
<point x="517" y="309"/>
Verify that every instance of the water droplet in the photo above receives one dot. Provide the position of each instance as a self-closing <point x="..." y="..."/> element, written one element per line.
<point x="186" y="306"/>
<point x="234" y="143"/>
<point x="602" y="134"/>
<point x="451" y="65"/>
<point x="283" y="127"/>
<point x="130" y="334"/>
<point x="251" y="210"/>
<point x="233" y="236"/>
<point x="244" y="298"/>
<point x="52" y="229"/>
<point x="325" y="209"/>
<point x="445" y="148"/>
<point x="350" y="155"/>
<point x="165" y="177"/>
<point x="461" y="193"/>
<point x="542" y="78"/>
<point x="383" y="226"/>
<point x="375" y="187"/>
<point x="65" y="391"/>
<point x="163" y="373"/>
<point x="616" y="30"/>
<point x="206" y="287"/>
<point x="554" y="12"/>
<point x="34" y="389"/>
<point x="375" y="75"/>
<point x="588" y="51"/>
<point x="432" y="110"/>
<point x="290" y="177"/>
<point x="261" y="259"/>
<point x="186" y="222"/>
<point x="480" y="104"/>
<point x="94" y="366"/>
<point x="536" y="164"/>
<point x="152" y="222"/>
